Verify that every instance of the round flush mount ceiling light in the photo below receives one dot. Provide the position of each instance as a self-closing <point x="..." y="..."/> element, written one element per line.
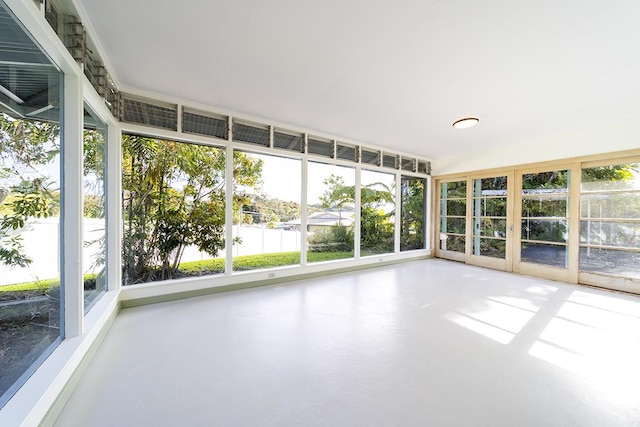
<point x="466" y="122"/>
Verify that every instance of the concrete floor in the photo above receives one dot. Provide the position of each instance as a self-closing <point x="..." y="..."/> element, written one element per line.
<point x="432" y="343"/>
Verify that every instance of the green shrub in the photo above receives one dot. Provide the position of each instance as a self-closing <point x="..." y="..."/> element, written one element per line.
<point x="338" y="238"/>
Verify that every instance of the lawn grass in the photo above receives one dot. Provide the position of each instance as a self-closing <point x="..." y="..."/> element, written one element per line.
<point x="209" y="266"/>
<point x="256" y="262"/>
<point x="38" y="285"/>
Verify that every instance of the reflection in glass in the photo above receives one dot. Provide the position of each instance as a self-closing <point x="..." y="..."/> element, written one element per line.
<point x="608" y="233"/>
<point x="610" y="261"/>
<point x="488" y="186"/>
<point x="449" y="190"/>
<point x="611" y="177"/>
<point x="95" y="224"/>
<point x="491" y="206"/>
<point x="30" y="198"/>
<point x="330" y="212"/>
<point x="453" y="225"/>
<point x="412" y="227"/>
<point x="610" y="205"/>
<point x="455" y="207"/>
<point x="610" y="220"/>
<point x="544" y="206"/>
<point x="547" y="230"/>
<point x="542" y="253"/>
<point x="452" y="243"/>
<point x="266" y="229"/>
<point x="377" y="212"/>
<point x="491" y="227"/>
<point x="494" y="248"/>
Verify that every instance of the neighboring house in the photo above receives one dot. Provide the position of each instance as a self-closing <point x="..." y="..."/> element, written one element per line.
<point x="319" y="221"/>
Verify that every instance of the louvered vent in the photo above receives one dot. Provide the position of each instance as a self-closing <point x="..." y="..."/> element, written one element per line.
<point x="408" y="164"/>
<point x="390" y="161"/>
<point x="138" y="111"/>
<point x="424" y="167"/>
<point x="52" y="16"/>
<point x="204" y="124"/>
<point x="370" y="157"/>
<point x="320" y="148"/>
<point x="346" y="152"/>
<point x="253" y="134"/>
<point x="287" y="141"/>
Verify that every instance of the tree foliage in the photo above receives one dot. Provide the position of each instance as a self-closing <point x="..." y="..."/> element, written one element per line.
<point x="413" y="214"/>
<point x="376" y="227"/>
<point x="174" y="197"/>
<point x="25" y="146"/>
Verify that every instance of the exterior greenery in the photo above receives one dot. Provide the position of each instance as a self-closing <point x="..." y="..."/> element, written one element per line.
<point x="25" y="147"/>
<point x="174" y="197"/>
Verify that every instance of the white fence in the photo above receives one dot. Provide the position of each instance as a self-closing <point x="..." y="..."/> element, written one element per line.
<point x="41" y="241"/>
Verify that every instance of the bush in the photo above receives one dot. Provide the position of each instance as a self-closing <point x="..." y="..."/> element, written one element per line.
<point x="338" y="238"/>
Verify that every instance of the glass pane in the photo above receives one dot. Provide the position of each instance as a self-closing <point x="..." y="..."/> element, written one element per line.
<point x="488" y="206"/>
<point x="453" y="189"/>
<point x="540" y="253"/>
<point x="490" y="227"/>
<point x="617" y="205"/>
<point x="95" y="224"/>
<point x="174" y="208"/>
<point x="330" y="212"/>
<point x="455" y="207"/>
<point x="30" y="195"/>
<point x="489" y="247"/>
<point x="552" y="180"/>
<point x="618" y="234"/>
<point x="453" y="225"/>
<point x="377" y="212"/>
<point x="547" y="206"/>
<point x="548" y="230"/>
<point x="412" y="227"/>
<point x="609" y="261"/>
<point x="490" y="186"/>
<point x="614" y="177"/>
<point x="266" y="230"/>
<point x="452" y="243"/>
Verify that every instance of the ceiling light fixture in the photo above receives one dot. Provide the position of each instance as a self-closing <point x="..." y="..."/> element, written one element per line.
<point x="465" y="123"/>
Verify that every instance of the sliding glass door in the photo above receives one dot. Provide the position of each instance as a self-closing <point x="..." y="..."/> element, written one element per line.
<point x="542" y="230"/>
<point x="492" y="224"/>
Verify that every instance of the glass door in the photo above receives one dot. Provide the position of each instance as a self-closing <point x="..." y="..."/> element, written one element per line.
<point x="491" y="221"/>
<point x="542" y="214"/>
<point x="453" y="220"/>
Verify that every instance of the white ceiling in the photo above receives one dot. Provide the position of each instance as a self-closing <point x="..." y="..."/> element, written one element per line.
<point x="393" y="74"/>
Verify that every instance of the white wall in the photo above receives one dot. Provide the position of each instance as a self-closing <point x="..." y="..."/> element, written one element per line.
<point x="620" y="135"/>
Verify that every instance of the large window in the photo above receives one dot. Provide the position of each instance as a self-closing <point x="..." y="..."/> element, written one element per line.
<point x="94" y="208"/>
<point x="545" y="218"/>
<point x="377" y="212"/>
<point x="330" y="212"/>
<point x="413" y="224"/>
<point x="173" y="209"/>
<point x="610" y="220"/>
<point x="266" y="226"/>
<point x="453" y="216"/>
<point x="30" y="194"/>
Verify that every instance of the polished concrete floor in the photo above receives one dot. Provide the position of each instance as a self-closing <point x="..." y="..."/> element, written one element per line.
<point x="429" y="343"/>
